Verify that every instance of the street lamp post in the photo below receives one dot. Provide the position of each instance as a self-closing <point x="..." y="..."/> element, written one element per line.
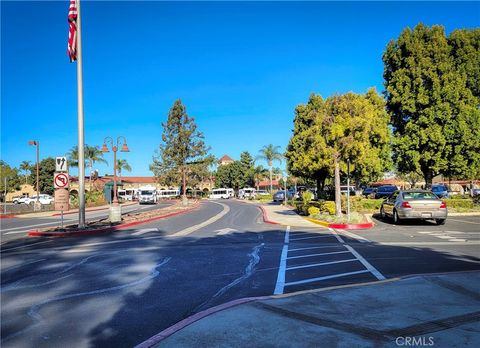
<point x="348" y="189"/>
<point x="37" y="144"/>
<point x="115" y="209"/>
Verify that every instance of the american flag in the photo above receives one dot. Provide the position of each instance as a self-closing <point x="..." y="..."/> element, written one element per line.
<point x="72" y="31"/>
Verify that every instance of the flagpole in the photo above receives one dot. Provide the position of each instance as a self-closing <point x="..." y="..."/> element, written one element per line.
<point x="81" y="142"/>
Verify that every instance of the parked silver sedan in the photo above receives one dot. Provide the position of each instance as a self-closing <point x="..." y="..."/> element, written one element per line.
<point x="414" y="204"/>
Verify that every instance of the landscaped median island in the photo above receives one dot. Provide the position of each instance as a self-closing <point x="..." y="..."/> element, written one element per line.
<point x="104" y="226"/>
<point x="323" y="212"/>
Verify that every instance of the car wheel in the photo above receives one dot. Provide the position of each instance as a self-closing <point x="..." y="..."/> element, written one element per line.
<point x="382" y="212"/>
<point x="396" y="219"/>
<point x="440" y="221"/>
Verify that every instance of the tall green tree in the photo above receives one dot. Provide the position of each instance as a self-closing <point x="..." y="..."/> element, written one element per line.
<point x="46" y="173"/>
<point x="328" y="132"/>
<point x="270" y="153"/>
<point x="122" y="165"/>
<point x="10" y="176"/>
<point x="248" y="164"/>
<point x="431" y="82"/>
<point x="307" y="154"/>
<point x="181" y="151"/>
<point x="26" y="167"/>
<point x="92" y="155"/>
<point x="231" y="175"/>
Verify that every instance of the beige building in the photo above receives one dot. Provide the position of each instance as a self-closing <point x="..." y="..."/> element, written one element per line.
<point x="26" y="190"/>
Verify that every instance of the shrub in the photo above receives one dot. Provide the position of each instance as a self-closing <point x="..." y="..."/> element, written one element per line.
<point x="459" y="203"/>
<point x="328" y="207"/>
<point x="313" y="211"/>
<point x="307" y="196"/>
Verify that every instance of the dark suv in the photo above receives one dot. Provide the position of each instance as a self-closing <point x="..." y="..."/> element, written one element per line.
<point x="385" y="191"/>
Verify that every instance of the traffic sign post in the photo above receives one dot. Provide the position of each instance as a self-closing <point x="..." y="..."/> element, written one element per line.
<point x="61" y="164"/>
<point x="62" y="200"/>
<point x="60" y="180"/>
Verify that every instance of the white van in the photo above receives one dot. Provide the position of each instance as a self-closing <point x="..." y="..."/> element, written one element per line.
<point x="221" y="193"/>
<point x="168" y="194"/>
<point x="247" y="193"/>
<point x="147" y="194"/>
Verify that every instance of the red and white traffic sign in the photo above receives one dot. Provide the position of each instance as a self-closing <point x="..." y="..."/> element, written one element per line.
<point x="60" y="180"/>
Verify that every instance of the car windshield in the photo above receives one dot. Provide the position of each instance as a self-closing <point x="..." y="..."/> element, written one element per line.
<point x="146" y="192"/>
<point x="419" y="195"/>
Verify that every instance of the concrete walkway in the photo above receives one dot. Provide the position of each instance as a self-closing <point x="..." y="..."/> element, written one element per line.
<point x="435" y="310"/>
<point x="286" y="216"/>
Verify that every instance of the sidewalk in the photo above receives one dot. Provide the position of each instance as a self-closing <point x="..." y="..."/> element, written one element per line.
<point x="429" y="310"/>
<point x="71" y="211"/>
<point x="282" y="215"/>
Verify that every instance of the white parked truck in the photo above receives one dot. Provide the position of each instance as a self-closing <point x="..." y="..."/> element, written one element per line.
<point x="147" y="195"/>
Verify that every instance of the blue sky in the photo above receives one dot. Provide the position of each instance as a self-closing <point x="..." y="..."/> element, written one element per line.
<point x="239" y="67"/>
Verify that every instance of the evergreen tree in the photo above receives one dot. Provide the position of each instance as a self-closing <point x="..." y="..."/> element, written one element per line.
<point x="182" y="151"/>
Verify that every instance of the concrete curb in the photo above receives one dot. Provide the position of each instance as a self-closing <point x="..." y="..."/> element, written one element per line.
<point x="152" y="341"/>
<point x="7" y="216"/>
<point x="362" y="226"/>
<point x="265" y="217"/>
<point x="36" y="233"/>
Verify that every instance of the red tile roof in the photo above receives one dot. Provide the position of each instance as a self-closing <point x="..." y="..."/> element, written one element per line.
<point x="225" y="158"/>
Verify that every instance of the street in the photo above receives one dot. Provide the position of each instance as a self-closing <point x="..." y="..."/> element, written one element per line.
<point x="122" y="288"/>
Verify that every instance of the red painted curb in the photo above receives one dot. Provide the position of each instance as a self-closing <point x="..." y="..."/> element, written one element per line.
<point x="107" y="229"/>
<point x="7" y="216"/>
<point x="352" y="226"/>
<point x="265" y="217"/>
<point x="191" y="319"/>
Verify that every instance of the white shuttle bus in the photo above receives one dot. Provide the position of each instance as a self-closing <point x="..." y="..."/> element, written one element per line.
<point x="147" y="194"/>
<point x="247" y="193"/>
<point x="220" y="193"/>
<point x="168" y="194"/>
<point x="127" y="195"/>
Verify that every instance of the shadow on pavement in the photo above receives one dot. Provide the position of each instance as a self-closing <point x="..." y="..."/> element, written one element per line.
<point x="119" y="290"/>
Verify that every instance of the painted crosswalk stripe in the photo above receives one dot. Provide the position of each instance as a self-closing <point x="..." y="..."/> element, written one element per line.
<point x="320" y="264"/>
<point x="457" y="240"/>
<point x="325" y="277"/>
<point x="444" y="237"/>
<point x="321" y="254"/>
<point x="303" y="238"/>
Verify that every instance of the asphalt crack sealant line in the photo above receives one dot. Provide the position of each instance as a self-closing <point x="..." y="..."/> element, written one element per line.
<point x="254" y="256"/>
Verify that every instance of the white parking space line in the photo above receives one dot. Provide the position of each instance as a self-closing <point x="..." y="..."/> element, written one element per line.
<point x="280" y="285"/>
<point x="320" y="264"/>
<point x="426" y="232"/>
<point x="367" y="265"/>
<point x="317" y="247"/>
<point x="444" y="237"/>
<point x="311" y="255"/>
<point x="325" y="277"/>
<point x="145" y="230"/>
<point x="303" y="238"/>
<point x="457" y="240"/>
<point x="355" y="236"/>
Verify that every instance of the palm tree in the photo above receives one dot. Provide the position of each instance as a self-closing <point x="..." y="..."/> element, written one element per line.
<point x="92" y="154"/>
<point x="26" y="167"/>
<point x="258" y="174"/>
<point x="122" y="165"/>
<point x="270" y="153"/>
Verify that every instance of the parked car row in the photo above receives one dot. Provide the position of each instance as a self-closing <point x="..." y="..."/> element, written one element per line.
<point x="43" y="199"/>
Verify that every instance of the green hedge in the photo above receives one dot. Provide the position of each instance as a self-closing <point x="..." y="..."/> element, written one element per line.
<point x="459" y="203"/>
